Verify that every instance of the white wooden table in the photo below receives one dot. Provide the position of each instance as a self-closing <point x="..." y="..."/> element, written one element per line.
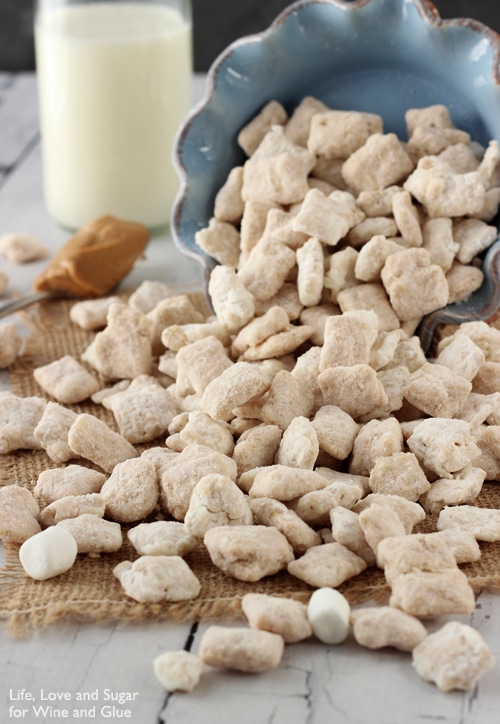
<point x="314" y="683"/>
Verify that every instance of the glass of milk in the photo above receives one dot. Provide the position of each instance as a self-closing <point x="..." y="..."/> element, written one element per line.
<point x="114" y="84"/>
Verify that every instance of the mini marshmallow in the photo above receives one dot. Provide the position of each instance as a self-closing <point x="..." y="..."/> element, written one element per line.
<point x="328" y="612"/>
<point x="48" y="553"/>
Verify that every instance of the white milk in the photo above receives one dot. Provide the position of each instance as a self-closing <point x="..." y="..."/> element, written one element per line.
<point x="114" y="84"/>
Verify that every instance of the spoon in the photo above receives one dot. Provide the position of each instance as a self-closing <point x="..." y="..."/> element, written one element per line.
<point x="90" y="264"/>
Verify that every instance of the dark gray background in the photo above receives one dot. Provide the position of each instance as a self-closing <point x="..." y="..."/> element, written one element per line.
<point x="216" y="23"/>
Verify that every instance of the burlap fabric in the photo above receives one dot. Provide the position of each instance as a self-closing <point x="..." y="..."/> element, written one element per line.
<point x="89" y="590"/>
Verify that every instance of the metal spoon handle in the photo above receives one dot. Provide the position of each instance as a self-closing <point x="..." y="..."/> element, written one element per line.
<point x="24" y="302"/>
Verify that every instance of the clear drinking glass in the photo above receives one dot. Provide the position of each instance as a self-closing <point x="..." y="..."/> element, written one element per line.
<point x="114" y="83"/>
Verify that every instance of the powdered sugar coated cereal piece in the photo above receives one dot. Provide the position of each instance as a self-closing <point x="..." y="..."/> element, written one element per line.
<point x="285" y="483"/>
<point x="378" y="627"/>
<point x="349" y="338"/>
<point x="311" y="271"/>
<point x="71" y="506"/>
<point x="327" y="218"/>
<point x="253" y="132"/>
<point x="131" y="492"/>
<point x="93" y="534"/>
<point x="20" y="248"/>
<point x="454" y="657"/>
<point x="229" y="205"/>
<point x="266" y="268"/>
<point x="220" y="240"/>
<point x="335" y="430"/>
<point x="18" y="418"/>
<point x="153" y="579"/>
<point x="282" y="616"/>
<point x="299" y="446"/>
<point x="242" y="649"/>
<point x="473" y="236"/>
<point x="92" y="314"/>
<point x="55" y="483"/>
<point x="443" y="445"/>
<point x="355" y="389"/>
<point x="236" y="386"/>
<point x="248" y="552"/>
<point x="380" y="162"/>
<point x="347" y="531"/>
<point x="484" y="523"/>
<point x="463" y="487"/>
<point x="148" y="294"/>
<point x="66" y="380"/>
<point x="162" y="538"/>
<point x="337" y="134"/>
<point x="216" y="500"/>
<point x="92" y="439"/>
<point x="10" y="344"/>
<point x="271" y="512"/>
<point x="327" y="565"/>
<point x="399" y="474"/>
<point x="437" y="390"/>
<point x="18" y="514"/>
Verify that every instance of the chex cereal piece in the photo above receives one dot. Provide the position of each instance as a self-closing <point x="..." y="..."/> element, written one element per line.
<point x="407" y="218"/>
<point x="162" y="538"/>
<point x="266" y="268"/>
<point x="20" y="248"/>
<point x="337" y="134"/>
<point x="484" y="523"/>
<point x="92" y="314"/>
<point x="347" y="531"/>
<point x="279" y="225"/>
<point x="18" y="418"/>
<point x="473" y="236"/>
<point x="377" y="627"/>
<point x="461" y="157"/>
<point x="462" y="544"/>
<point x="143" y="411"/>
<point x="365" y="230"/>
<point x="399" y="474"/>
<point x="242" y="649"/>
<point x="66" y="380"/>
<point x="375" y="438"/>
<point x="439" y="241"/>
<point x="153" y="579"/>
<point x="233" y="304"/>
<point x="340" y="272"/>
<point x="201" y="362"/>
<point x="122" y="350"/>
<point x="487" y="438"/>
<point x="327" y="218"/>
<point x="248" y="552"/>
<point x="490" y="164"/>
<point x="131" y="491"/>
<point x="462" y="279"/>
<point x="435" y="116"/>
<point x="285" y="483"/>
<point x="236" y="386"/>
<point x="220" y="240"/>
<point x="349" y="338"/>
<point x="253" y="223"/>
<point x="463" y="487"/>
<point x="327" y="565"/>
<point x="409" y="513"/>
<point x="182" y="472"/>
<point x="178" y="670"/>
<point x="11" y="343"/>
<point x="259" y="329"/>
<point x="372" y="256"/>
<point x="257" y="447"/>
<point x="268" y="511"/>
<point x="378" y="522"/>
<point x="370" y="296"/>
<point x="335" y="430"/>
<point x="173" y="310"/>
<point x="71" y="506"/>
<point x="288" y="397"/>
<point x="280" y="344"/>
<point x="414" y="285"/>
<point x="433" y="141"/>
<point x="201" y="428"/>
<point x="299" y="446"/>
<point x="380" y="162"/>
<point x="428" y="595"/>
<point x="311" y="271"/>
<point x="148" y="294"/>
<point x="228" y="204"/>
<point x="377" y="202"/>
<point x="443" y="445"/>
<point x="315" y="317"/>
<point x="355" y="389"/>
<point x="277" y="171"/>
<point x="314" y="507"/>
<point x="56" y="483"/>
<point x="443" y="192"/>
<point x="298" y="125"/>
<point x="455" y="657"/>
<point x="93" y="440"/>
<point x="282" y="616"/>
<point x="483" y="334"/>
<point x="252" y="134"/>
<point x="216" y="500"/>
<point x="462" y="355"/>
<point x="437" y="390"/>
<point x="93" y="534"/>
<point x="18" y="514"/>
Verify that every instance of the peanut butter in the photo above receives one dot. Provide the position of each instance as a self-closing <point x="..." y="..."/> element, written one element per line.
<point x="95" y="259"/>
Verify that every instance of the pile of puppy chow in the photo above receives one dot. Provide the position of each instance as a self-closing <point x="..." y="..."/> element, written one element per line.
<point x="301" y="426"/>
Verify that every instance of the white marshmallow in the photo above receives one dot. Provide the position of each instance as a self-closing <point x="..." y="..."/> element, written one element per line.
<point x="48" y="553"/>
<point x="328" y="612"/>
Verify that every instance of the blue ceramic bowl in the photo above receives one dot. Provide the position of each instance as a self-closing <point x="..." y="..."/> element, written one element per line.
<point x="382" y="56"/>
